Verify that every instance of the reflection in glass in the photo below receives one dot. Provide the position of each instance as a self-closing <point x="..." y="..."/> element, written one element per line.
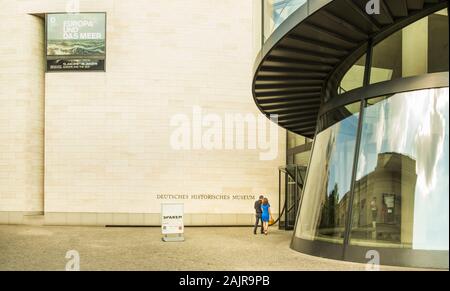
<point x="354" y="78"/>
<point x="419" y="48"/>
<point x="277" y="11"/>
<point x="295" y="140"/>
<point x="302" y="159"/>
<point x="401" y="189"/>
<point x="335" y="116"/>
<point x="323" y="209"/>
<point x="297" y="151"/>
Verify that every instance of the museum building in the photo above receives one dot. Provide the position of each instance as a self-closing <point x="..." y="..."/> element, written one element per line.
<point x="95" y="97"/>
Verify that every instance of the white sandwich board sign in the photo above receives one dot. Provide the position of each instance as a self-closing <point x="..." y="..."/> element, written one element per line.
<point x="172" y="221"/>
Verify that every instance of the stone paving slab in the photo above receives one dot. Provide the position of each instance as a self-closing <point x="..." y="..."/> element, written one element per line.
<point x="141" y="248"/>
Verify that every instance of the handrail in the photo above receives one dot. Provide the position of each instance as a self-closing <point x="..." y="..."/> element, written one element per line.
<point x="282" y="212"/>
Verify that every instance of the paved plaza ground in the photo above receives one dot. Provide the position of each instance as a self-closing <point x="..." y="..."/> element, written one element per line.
<point x="141" y="248"/>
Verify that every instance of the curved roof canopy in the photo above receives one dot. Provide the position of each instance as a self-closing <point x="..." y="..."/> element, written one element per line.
<point x="310" y="51"/>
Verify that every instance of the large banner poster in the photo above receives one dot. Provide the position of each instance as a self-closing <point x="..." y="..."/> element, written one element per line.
<point x="76" y="41"/>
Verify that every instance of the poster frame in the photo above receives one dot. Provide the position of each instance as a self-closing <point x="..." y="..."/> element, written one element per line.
<point x="74" y="71"/>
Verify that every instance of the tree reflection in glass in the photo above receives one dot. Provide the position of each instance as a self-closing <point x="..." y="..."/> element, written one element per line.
<point x="323" y="209"/>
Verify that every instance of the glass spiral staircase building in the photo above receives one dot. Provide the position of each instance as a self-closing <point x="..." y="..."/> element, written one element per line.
<point x="372" y="91"/>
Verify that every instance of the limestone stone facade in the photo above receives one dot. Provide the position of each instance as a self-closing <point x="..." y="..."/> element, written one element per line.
<point x="93" y="148"/>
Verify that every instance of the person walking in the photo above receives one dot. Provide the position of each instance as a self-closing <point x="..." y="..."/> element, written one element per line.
<point x="258" y="214"/>
<point x="266" y="215"/>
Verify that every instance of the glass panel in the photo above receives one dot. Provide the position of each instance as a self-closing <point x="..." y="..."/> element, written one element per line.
<point x="402" y="183"/>
<point x="291" y="196"/>
<point x="438" y="42"/>
<point x="420" y="48"/>
<point x="375" y="100"/>
<point x="277" y="11"/>
<point x="302" y="159"/>
<point x="282" y="191"/>
<point x="354" y="78"/>
<point x="330" y="118"/>
<point x="324" y="205"/>
<point x="295" y="140"/>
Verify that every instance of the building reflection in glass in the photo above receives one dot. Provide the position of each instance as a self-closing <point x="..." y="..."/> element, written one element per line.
<point x="329" y="179"/>
<point x="402" y="182"/>
<point x="402" y="179"/>
<point x="383" y="205"/>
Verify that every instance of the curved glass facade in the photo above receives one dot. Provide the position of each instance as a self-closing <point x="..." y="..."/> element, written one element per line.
<point x="419" y="48"/>
<point x="401" y="189"/>
<point x="400" y="194"/>
<point x="378" y="171"/>
<point x="354" y="77"/>
<point x="378" y="177"/>
<point x="276" y="12"/>
<point x="323" y="208"/>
